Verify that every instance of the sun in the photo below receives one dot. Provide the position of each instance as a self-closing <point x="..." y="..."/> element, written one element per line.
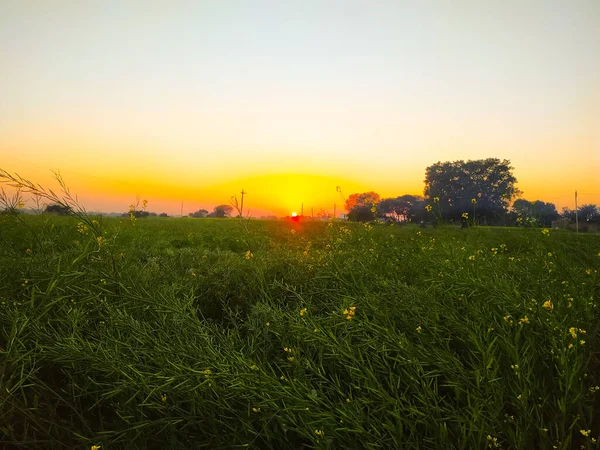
<point x="294" y="214"/>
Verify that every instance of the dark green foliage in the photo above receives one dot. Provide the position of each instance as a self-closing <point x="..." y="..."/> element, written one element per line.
<point x="94" y="332"/>
<point x="407" y="208"/>
<point x="489" y="181"/>
<point x="537" y="213"/>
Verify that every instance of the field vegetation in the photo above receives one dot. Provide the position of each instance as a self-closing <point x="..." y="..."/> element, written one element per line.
<point x="179" y="333"/>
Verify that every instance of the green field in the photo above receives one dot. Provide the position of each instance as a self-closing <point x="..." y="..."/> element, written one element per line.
<point x="185" y="334"/>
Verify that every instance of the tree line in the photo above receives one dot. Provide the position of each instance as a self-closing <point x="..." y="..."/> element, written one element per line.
<point x="480" y="191"/>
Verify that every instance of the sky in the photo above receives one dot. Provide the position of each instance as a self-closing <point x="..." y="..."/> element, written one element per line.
<point x="191" y="101"/>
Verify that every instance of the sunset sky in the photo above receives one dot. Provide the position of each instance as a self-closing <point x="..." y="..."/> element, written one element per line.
<point x="191" y="101"/>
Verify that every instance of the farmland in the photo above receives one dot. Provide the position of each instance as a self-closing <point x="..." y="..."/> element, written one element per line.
<point x="184" y="333"/>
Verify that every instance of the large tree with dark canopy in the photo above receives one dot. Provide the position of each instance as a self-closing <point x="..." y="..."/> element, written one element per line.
<point x="454" y="184"/>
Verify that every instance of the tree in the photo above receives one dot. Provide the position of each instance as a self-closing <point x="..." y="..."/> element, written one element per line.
<point x="201" y="213"/>
<point x="537" y="213"/>
<point x="222" y="211"/>
<point x="405" y="208"/>
<point x="366" y="199"/>
<point x="163" y="215"/>
<point x="361" y="207"/>
<point x="589" y="213"/>
<point x="485" y="185"/>
<point x="61" y="210"/>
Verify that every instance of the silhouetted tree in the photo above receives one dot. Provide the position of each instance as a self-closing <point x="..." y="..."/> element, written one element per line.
<point x="589" y="213"/>
<point x="222" y="211"/>
<point x="61" y="210"/>
<point x="362" y="207"/>
<point x="489" y="181"/>
<point x="364" y="199"/>
<point x="406" y="208"/>
<point x="537" y="213"/>
<point x="361" y="214"/>
<point x="201" y="213"/>
<point x="163" y="215"/>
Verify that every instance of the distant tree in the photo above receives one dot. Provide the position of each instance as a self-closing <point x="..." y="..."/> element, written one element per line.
<point x="406" y="208"/>
<point x="201" y="213"/>
<point x="537" y="213"/>
<point x="362" y="207"/>
<point x="567" y="213"/>
<point x="455" y="184"/>
<point x="163" y="215"/>
<point x="586" y="213"/>
<point x="222" y="211"/>
<point x="589" y="213"/>
<point x="361" y="214"/>
<point x="61" y="210"/>
<point x="364" y="199"/>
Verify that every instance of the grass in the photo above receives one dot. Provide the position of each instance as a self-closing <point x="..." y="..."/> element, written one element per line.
<point x="181" y="333"/>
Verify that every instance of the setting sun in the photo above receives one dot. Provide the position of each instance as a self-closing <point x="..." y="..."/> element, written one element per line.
<point x="294" y="214"/>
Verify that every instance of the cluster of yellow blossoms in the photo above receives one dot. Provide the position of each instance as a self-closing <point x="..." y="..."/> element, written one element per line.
<point x="349" y="313"/>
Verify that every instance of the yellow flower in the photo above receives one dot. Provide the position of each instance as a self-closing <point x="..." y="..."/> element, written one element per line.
<point x="320" y="433"/>
<point x="550" y="254"/>
<point x="588" y="272"/>
<point x="546" y="232"/>
<point x="570" y="345"/>
<point x="268" y="324"/>
<point x="523" y="320"/>
<point x="373" y="209"/>
<point x="585" y="432"/>
<point x="164" y="398"/>
<point x="28" y="251"/>
<point x="548" y="305"/>
<point x="465" y="215"/>
<point x="582" y="342"/>
<point x="249" y="254"/>
<point x="429" y="208"/>
<point x="95" y="447"/>
<point x="573" y="332"/>
<point x="419" y="329"/>
<point x="256" y="410"/>
<point x="303" y="311"/>
<point x="316" y="330"/>
<point x="472" y="258"/>
<point x="519" y="397"/>
<point x="291" y="358"/>
<point x="436" y="199"/>
<point x="207" y="372"/>
<point x="21" y="205"/>
<point x="349" y="312"/>
<point x="99" y="241"/>
<point x="474" y="201"/>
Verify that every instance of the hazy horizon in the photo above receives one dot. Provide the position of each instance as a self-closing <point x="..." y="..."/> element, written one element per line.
<point x="185" y="101"/>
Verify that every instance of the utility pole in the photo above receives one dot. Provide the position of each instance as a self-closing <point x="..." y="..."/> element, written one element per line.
<point x="576" y="214"/>
<point x="312" y="213"/>
<point x="242" y="208"/>
<point x="334" y="205"/>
